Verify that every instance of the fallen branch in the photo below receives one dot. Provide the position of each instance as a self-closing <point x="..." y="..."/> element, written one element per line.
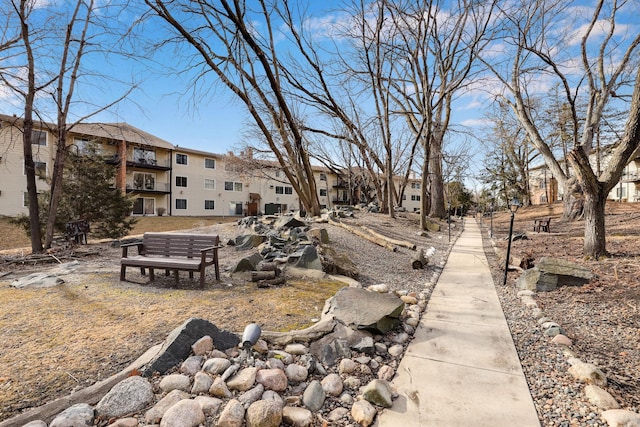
<point x="380" y="242"/>
<point x="403" y="243"/>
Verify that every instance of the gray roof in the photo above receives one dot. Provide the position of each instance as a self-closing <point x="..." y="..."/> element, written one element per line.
<point x="112" y="131"/>
<point x="120" y="132"/>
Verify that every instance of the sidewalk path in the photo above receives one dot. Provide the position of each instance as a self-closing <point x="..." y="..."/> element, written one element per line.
<point x="462" y="369"/>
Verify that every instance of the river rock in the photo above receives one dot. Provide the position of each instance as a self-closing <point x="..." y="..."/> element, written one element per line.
<point x="185" y="413"/>
<point x="216" y="365"/>
<point x="264" y="413"/>
<point x="378" y="392"/>
<point x="313" y="397"/>
<point x="175" y="382"/>
<point x="588" y="373"/>
<point x="78" y="415"/>
<point x="202" y="346"/>
<point x="202" y="382"/>
<point x="243" y="380"/>
<point x="232" y="415"/>
<point x="296" y="373"/>
<point x="297" y="417"/>
<point x="272" y="379"/>
<point x="155" y="414"/>
<point x="332" y="385"/>
<point x="363" y="413"/>
<point x="128" y="396"/>
<point x="600" y="398"/>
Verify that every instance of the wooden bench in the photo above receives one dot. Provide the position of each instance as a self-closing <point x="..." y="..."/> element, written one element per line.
<point x="77" y="230"/>
<point x="542" y="224"/>
<point x="173" y="252"/>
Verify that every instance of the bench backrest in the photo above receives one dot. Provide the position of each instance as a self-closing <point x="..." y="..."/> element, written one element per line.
<point x="177" y="245"/>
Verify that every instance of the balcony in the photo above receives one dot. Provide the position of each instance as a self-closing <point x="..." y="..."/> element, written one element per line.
<point x="149" y="187"/>
<point x="141" y="163"/>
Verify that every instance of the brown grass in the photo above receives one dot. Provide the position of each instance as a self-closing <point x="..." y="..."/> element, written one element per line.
<point x="54" y="340"/>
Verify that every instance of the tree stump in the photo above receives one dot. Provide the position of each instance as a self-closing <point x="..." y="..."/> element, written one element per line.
<point x="418" y="261"/>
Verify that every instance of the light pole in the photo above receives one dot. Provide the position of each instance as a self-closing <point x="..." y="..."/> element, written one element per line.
<point x="513" y="207"/>
<point x="491" y="228"/>
<point x="449" y="220"/>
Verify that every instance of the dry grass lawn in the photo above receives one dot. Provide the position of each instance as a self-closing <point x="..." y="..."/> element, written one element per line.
<point x="55" y="340"/>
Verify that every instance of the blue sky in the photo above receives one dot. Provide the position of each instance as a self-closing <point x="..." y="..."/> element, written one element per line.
<point x="163" y="105"/>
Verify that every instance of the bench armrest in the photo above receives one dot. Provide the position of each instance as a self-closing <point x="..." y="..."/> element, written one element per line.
<point x="214" y="253"/>
<point x="125" y="248"/>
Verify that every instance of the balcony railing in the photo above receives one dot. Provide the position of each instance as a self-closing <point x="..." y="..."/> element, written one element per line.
<point x="155" y="186"/>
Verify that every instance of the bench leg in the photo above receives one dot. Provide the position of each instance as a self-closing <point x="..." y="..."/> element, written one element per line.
<point x="191" y="275"/>
<point x="215" y="263"/>
<point x="152" y="276"/>
<point x="201" y="278"/>
<point x="177" y="277"/>
<point x="142" y="271"/>
<point x="123" y="270"/>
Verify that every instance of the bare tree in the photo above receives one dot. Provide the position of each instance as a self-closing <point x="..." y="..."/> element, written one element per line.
<point x="441" y="43"/>
<point x="52" y="66"/>
<point x="535" y="30"/>
<point x="223" y="35"/>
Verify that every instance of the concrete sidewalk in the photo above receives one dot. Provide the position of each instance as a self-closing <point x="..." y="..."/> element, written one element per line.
<point x="462" y="369"/>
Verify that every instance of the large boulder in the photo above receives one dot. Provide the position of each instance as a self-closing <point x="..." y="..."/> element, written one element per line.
<point x="177" y="346"/>
<point x="248" y="241"/>
<point x="248" y="263"/>
<point x="306" y="257"/>
<point x="363" y="309"/>
<point x="551" y="273"/>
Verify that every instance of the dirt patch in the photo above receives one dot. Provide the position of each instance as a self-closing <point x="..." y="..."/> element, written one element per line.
<point x="602" y="317"/>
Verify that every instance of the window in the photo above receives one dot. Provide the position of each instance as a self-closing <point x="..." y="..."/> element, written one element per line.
<point x="82" y="145"/>
<point x="210" y="163"/>
<point x="323" y="192"/>
<point x="144" y="181"/>
<point x="209" y="205"/>
<point x="181" y="203"/>
<point x="323" y="177"/>
<point x="142" y="206"/>
<point x="181" y="181"/>
<point x="232" y="186"/>
<point x="38" y="137"/>
<point x="404" y="197"/>
<point x="284" y="190"/>
<point x="40" y="169"/>
<point x="209" y="184"/>
<point x="181" y="159"/>
<point x="141" y="155"/>
<point x="277" y="174"/>
<point x="415" y="185"/>
<point x="415" y="197"/>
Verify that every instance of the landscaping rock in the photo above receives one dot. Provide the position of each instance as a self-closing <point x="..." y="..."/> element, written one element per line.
<point x="79" y="415"/>
<point x="185" y="413"/>
<point x="128" y="396"/>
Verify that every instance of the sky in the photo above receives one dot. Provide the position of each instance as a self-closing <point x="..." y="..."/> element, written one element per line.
<point x="163" y="105"/>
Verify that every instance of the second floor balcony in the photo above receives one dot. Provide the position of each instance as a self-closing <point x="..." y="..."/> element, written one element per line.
<point x="148" y="187"/>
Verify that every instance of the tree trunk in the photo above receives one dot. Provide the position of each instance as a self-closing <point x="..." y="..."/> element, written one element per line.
<point x="437" y="209"/>
<point x="56" y="187"/>
<point x="594" y="228"/>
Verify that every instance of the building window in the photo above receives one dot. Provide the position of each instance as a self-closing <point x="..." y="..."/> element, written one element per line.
<point x="277" y="174"/>
<point x="40" y="169"/>
<point x="415" y="185"/>
<point x="38" y="137"/>
<point x="210" y="163"/>
<point x="209" y="184"/>
<point x="323" y="177"/>
<point x="181" y="181"/>
<point x="181" y="159"/>
<point x="323" y="192"/>
<point x="143" y="206"/>
<point x="145" y="157"/>
<point x="232" y="186"/>
<point x="415" y="197"/>
<point x="209" y="205"/>
<point x="284" y="190"/>
<point x="181" y="203"/>
<point x="404" y="197"/>
<point x="144" y="181"/>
